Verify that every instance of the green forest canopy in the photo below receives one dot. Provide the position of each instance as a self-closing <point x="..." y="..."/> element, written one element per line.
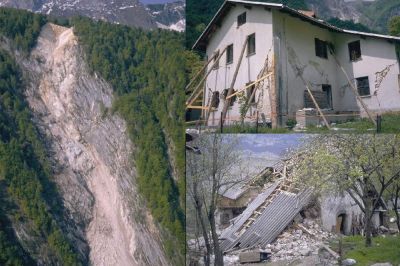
<point x="148" y="73"/>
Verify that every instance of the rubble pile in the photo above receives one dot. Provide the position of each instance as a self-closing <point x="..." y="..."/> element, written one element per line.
<point x="300" y="240"/>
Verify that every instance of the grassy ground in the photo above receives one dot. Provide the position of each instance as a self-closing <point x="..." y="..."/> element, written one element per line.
<point x="390" y="124"/>
<point x="384" y="249"/>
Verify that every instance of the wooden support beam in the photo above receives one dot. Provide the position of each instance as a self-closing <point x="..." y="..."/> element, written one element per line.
<point x="314" y="101"/>
<point x="355" y="90"/>
<point x="249" y="85"/>
<point x="199" y="72"/>
<point x="194" y="98"/>
<point x="228" y="101"/>
<point x="204" y="78"/>
<point x="197" y="107"/>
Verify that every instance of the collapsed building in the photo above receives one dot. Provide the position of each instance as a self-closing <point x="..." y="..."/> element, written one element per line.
<point x="268" y="62"/>
<point x="280" y="202"/>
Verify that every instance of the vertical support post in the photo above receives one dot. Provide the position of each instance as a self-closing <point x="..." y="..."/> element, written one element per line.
<point x="230" y="90"/>
<point x="378" y="124"/>
<point x="221" y="124"/>
<point x="257" y="123"/>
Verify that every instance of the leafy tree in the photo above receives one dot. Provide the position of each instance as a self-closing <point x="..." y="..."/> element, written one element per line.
<point x="394" y="26"/>
<point x="25" y="172"/>
<point x="148" y="71"/>
<point x="349" y="25"/>
<point x="363" y="166"/>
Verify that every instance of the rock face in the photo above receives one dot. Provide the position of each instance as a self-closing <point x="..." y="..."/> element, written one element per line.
<point x="91" y="154"/>
<point x="169" y="15"/>
<point x="128" y="12"/>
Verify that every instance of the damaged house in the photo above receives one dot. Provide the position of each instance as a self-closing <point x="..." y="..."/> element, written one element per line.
<point x="269" y="62"/>
<point x="280" y="202"/>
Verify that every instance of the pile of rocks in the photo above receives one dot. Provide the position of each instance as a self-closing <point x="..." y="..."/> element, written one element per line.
<point x="300" y="240"/>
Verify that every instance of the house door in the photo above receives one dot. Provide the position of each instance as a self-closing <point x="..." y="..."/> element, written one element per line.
<point x="340" y="223"/>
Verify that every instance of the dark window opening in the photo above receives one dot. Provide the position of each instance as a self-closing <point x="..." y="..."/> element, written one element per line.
<point x="251" y="44"/>
<point x="241" y="19"/>
<point x="215" y="99"/>
<point x="340" y="224"/>
<point x="225" y="94"/>
<point x="363" y="86"/>
<point x="229" y="54"/>
<point x="216" y="61"/>
<point x="328" y="90"/>
<point x="323" y="98"/>
<point x="249" y="93"/>
<point x="321" y="48"/>
<point x="233" y="99"/>
<point x="355" y="51"/>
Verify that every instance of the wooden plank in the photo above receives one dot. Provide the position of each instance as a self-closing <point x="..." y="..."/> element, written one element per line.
<point x="355" y="90"/>
<point x="197" y="107"/>
<point x="205" y="76"/>
<point x="228" y="101"/>
<point x="249" y="85"/>
<point x="199" y="72"/>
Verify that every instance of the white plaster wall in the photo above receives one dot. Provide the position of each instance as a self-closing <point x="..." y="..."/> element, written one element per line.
<point x="296" y="47"/>
<point x="292" y="41"/>
<point x="259" y="21"/>
<point x="377" y="54"/>
<point x="332" y="206"/>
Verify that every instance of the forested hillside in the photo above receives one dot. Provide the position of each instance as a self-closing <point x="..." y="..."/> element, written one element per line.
<point x="27" y="194"/>
<point x="147" y="71"/>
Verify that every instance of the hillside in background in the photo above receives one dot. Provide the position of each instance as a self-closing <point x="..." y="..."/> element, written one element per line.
<point x="91" y="134"/>
<point x="166" y="14"/>
<point x="169" y="15"/>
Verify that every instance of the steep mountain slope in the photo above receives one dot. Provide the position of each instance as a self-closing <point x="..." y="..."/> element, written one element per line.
<point x="127" y="12"/>
<point x="169" y="15"/>
<point x="374" y="14"/>
<point x="106" y="206"/>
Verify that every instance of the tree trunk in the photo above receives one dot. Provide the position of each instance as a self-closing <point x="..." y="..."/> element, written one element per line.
<point x="198" y="207"/>
<point x="368" y="221"/>
<point x="219" y="259"/>
<point x="396" y="206"/>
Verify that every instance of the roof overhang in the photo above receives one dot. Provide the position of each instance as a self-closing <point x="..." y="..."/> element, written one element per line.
<point x="216" y="21"/>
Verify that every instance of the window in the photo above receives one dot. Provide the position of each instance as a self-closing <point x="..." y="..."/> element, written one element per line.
<point x="229" y="54"/>
<point x="233" y="99"/>
<point x="241" y="19"/>
<point x="224" y="95"/>
<point x="216" y="61"/>
<point x="215" y="99"/>
<point x="327" y="89"/>
<point x="249" y="92"/>
<point x="363" y="86"/>
<point x="251" y="44"/>
<point x="355" y="51"/>
<point x="321" y="48"/>
<point x="323" y="97"/>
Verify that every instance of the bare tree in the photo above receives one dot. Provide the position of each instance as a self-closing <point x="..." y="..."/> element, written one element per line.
<point x="364" y="166"/>
<point x="208" y="174"/>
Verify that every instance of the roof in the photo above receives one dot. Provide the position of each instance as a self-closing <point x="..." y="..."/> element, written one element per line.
<point x="228" y="4"/>
<point x="268" y="226"/>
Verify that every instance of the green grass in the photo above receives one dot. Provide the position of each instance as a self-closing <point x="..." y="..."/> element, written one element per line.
<point x="390" y="124"/>
<point x="384" y="249"/>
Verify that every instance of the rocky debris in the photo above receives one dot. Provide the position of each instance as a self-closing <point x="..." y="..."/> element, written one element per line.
<point x="349" y="262"/>
<point x="301" y="240"/>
